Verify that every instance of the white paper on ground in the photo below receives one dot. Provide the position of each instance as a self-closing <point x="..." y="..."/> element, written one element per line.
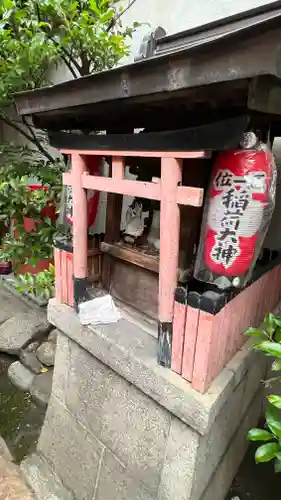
<point x="99" y="310"/>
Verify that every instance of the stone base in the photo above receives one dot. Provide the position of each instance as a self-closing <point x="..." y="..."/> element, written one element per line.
<point x="120" y="426"/>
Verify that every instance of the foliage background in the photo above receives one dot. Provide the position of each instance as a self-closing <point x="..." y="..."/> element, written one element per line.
<point x="37" y="37"/>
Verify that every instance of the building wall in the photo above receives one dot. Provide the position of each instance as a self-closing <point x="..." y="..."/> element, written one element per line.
<point x="181" y="15"/>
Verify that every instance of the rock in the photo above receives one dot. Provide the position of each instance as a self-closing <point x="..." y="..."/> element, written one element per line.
<point x="53" y="336"/>
<point x="41" y="388"/>
<point x="10" y="304"/>
<point x="12" y="486"/>
<point x="20" y="376"/>
<point x="30" y="360"/>
<point x="20" y="329"/>
<point x="32" y="347"/>
<point x="46" y="353"/>
<point x="4" y="451"/>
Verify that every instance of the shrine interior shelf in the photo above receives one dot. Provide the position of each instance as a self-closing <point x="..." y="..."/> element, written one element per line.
<point x="132" y="255"/>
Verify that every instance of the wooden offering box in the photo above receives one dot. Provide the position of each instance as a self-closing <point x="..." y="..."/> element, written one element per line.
<point x="132" y="277"/>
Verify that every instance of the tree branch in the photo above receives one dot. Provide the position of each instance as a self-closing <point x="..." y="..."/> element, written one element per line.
<point x="114" y="21"/>
<point x="12" y="124"/>
<point x="68" y="64"/>
<point x="36" y="141"/>
<point x="32" y="138"/>
<point x="67" y="58"/>
<point x="71" y="58"/>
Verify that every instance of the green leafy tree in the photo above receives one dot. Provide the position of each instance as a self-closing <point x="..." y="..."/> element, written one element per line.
<point x="268" y="340"/>
<point x="86" y="36"/>
<point x="36" y="36"/>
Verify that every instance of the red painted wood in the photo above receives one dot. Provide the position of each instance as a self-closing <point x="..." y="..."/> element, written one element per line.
<point x="80" y="229"/>
<point x="64" y="277"/>
<point x="185" y="195"/>
<point x="171" y="173"/>
<point x="200" y="376"/>
<point x="190" y="340"/>
<point x="178" y="336"/>
<point x="190" y="196"/>
<point x="58" y="274"/>
<point x="222" y="335"/>
<point x="69" y="279"/>
<point x="118" y="168"/>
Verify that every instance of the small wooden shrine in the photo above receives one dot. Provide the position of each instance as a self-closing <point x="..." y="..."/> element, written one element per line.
<point x="164" y="119"/>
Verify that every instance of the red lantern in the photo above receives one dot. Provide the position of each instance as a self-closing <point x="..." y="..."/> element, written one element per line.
<point x="242" y="187"/>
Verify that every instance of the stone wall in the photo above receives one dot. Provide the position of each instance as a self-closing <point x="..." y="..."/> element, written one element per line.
<point x="108" y="436"/>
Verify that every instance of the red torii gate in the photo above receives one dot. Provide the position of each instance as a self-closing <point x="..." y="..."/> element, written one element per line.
<point x="167" y="189"/>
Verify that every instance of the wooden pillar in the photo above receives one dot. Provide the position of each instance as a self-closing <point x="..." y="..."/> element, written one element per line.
<point x="113" y="217"/>
<point x="80" y="230"/>
<point x="171" y="175"/>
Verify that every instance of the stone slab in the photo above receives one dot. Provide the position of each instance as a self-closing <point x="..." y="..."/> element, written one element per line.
<point x="223" y="477"/>
<point x="73" y="454"/>
<point x="179" y="464"/>
<point x="131" y="352"/>
<point x="42" y="481"/>
<point x="20" y="376"/>
<point x="132" y="425"/>
<point x="10" y="305"/>
<point x="41" y="387"/>
<point x="60" y="377"/>
<point x="116" y="482"/>
<point x="19" y="329"/>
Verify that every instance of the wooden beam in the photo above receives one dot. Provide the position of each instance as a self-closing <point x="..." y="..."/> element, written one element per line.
<point x="191" y="196"/>
<point x="185" y="195"/>
<point x="131" y="255"/>
<point x="145" y="154"/>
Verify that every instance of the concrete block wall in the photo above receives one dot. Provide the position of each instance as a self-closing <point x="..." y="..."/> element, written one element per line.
<point x="105" y="437"/>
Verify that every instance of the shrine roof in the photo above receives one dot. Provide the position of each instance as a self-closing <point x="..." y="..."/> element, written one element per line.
<point x="217" y="70"/>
